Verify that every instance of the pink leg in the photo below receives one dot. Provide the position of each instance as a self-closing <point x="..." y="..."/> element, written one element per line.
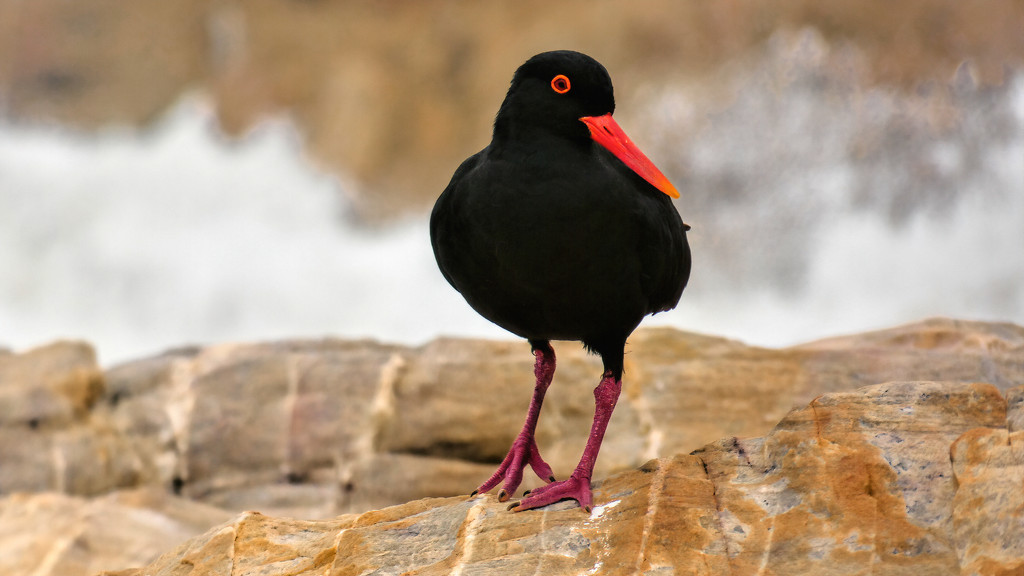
<point x="577" y="485"/>
<point x="524" y="450"/>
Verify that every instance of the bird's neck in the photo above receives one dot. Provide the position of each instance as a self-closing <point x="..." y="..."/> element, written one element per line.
<point x="528" y="135"/>
<point x="522" y="120"/>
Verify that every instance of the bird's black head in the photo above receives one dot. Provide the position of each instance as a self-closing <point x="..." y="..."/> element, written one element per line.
<point x="553" y="90"/>
<point x="568" y="95"/>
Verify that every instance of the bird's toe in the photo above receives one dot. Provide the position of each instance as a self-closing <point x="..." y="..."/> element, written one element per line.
<point x="574" y="488"/>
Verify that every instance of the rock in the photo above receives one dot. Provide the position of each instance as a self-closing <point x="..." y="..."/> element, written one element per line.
<point x="49" y="386"/>
<point x="938" y="348"/>
<point x="988" y="511"/>
<point x="724" y="388"/>
<point x="311" y="429"/>
<point x="316" y="428"/>
<point x="284" y="418"/>
<point x="49" y="534"/>
<point x="373" y="426"/>
<point x="48" y="438"/>
<point x="52" y="434"/>
<point x="853" y="483"/>
<point x="852" y="480"/>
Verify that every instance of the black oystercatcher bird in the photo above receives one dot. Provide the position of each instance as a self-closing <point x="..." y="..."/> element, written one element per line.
<point x="561" y="229"/>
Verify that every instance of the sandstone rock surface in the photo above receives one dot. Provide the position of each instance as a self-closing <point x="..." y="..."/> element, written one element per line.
<point x="897" y="478"/>
<point x="56" y="534"/>
<point x="314" y="429"/>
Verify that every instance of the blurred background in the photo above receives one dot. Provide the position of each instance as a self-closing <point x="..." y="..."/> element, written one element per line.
<point x="176" y="173"/>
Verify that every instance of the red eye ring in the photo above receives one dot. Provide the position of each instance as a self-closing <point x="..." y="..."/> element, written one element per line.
<point x="561" y="84"/>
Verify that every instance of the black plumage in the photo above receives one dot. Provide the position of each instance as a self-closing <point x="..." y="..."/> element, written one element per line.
<point x="555" y="230"/>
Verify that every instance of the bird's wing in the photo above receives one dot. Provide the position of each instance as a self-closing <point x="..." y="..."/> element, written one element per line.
<point x="444" y="212"/>
<point x="665" y="259"/>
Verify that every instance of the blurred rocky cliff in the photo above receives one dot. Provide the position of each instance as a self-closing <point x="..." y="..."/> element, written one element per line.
<point x="844" y="166"/>
<point x="395" y="94"/>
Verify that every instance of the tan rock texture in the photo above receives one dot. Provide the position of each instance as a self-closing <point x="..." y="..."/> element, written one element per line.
<point x="896" y="478"/>
<point x="313" y="429"/>
<point x="317" y="428"/>
<point x="56" y="534"/>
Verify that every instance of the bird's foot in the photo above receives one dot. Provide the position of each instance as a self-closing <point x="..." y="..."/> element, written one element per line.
<point x="524" y="451"/>
<point x="574" y="487"/>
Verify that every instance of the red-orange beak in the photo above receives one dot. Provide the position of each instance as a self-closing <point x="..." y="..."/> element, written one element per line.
<point x="606" y="132"/>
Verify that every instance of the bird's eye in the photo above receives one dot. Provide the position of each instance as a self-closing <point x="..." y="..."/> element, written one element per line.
<point x="560" y="84"/>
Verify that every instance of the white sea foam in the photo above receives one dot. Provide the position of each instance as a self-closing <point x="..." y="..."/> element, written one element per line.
<point x="140" y="241"/>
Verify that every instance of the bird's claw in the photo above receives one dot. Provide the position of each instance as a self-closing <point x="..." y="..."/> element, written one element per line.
<point x="575" y="488"/>
<point x="524" y="451"/>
